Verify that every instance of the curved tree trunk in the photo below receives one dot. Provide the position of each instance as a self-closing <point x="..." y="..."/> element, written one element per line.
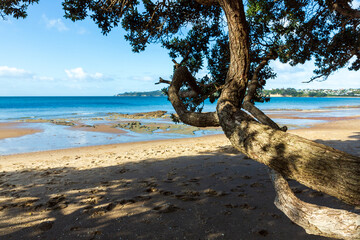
<point x="315" y="165"/>
<point x="314" y="219"/>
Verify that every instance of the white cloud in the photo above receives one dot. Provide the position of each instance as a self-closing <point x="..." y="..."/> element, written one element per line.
<point x="43" y="78"/>
<point x="58" y="24"/>
<point x="288" y="76"/>
<point x="80" y="74"/>
<point x="21" y="74"/>
<point x="6" y="71"/>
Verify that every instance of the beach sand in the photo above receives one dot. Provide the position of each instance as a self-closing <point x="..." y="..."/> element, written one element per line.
<point x="12" y="130"/>
<point x="194" y="188"/>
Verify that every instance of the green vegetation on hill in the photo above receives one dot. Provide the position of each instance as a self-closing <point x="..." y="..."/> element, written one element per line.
<point x="292" y="92"/>
<point x="313" y="92"/>
<point x="158" y="93"/>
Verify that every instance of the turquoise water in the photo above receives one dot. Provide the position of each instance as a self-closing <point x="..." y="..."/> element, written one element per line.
<point x="85" y="108"/>
<point x="65" y="107"/>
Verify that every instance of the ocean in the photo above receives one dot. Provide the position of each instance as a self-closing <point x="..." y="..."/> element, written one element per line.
<point x="14" y="108"/>
<point x="86" y="109"/>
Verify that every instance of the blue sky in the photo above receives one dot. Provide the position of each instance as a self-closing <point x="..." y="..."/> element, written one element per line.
<point x="47" y="55"/>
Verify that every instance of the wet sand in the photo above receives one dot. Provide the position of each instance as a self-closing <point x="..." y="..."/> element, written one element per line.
<point x="292" y="116"/>
<point x="11" y="130"/>
<point x="195" y="188"/>
<point x="105" y="128"/>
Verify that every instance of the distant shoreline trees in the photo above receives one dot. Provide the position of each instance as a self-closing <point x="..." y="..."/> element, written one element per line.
<point x="292" y="92"/>
<point x="285" y="92"/>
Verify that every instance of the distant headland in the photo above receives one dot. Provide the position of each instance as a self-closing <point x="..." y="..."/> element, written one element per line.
<point x="278" y="92"/>
<point x="157" y="93"/>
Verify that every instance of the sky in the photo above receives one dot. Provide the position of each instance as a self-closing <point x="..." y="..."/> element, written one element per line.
<point x="48" y="55"/>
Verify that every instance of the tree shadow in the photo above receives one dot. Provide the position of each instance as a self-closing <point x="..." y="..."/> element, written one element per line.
<point x="218" y="195"/>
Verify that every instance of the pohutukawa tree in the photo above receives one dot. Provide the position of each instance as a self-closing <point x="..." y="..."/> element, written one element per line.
<point x="238" y="39"/>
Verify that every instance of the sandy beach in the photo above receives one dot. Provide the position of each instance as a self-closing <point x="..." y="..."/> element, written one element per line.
<point x="11" y="130"/>
<point x="194" y="188"/>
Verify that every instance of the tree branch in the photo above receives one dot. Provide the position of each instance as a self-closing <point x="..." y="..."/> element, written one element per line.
<point x="252" y="87"/>
<point x="254" y="83"/>
<point x="161" y="80"/>
<point x="209" y="119"/>
<point x="343" y="7"/>
<point x="259" y="115"/>
<point x="208" y="2"/>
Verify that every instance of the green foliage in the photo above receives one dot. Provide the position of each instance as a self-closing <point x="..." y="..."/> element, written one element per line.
<point x="313" y="93"/>
<point x="317" y="94"/>
<point x="219" y="59"/>
<point x="293" y="31"/>
<point x="15" y="8"/>
<point x="142" y="94"/>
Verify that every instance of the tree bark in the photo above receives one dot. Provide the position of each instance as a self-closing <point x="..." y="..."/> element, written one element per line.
<point x="315" y="165"/>
<point x="314" y="219"/>
<point x="209" y="119"/>
<point x="239" y="45"/>
<point x="343" y="7"/>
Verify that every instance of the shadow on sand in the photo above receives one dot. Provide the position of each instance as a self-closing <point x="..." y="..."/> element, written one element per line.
<point x="218" y="195"/>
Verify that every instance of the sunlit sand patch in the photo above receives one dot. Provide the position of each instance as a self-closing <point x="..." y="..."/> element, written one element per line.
<point x="13" y="130"/>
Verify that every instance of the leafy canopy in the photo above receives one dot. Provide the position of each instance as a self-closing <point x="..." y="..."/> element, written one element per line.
<point x="293" y="31"/>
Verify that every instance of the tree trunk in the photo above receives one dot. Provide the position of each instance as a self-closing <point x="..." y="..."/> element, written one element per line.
<point x="314" y="219"/>
<point x="315" y="165"/>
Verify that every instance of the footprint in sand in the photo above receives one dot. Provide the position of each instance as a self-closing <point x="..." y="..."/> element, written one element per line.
<point x="230" y="205"/>
<point x="247" y="206"/>
<point x="142" y="198"/>
<point x="263" y="232"/>
<point x="188" y="196"/>
<point x="195" y="180"/>
<point x="166" y="193"/>
<point x="212" y="192"/>
<point x="245" y="177"/>
<point x="57" y="202"/>
<point x="45" y="226"/>
<point x="166" y="208"/>
<point x="242" y="195"/>
<point x="256" y="185"/>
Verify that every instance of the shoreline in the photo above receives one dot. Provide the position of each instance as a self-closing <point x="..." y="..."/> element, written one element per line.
<point x="128" y="130"/>
<point x="350" y="123"/>
<point x="194" y="188"/>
